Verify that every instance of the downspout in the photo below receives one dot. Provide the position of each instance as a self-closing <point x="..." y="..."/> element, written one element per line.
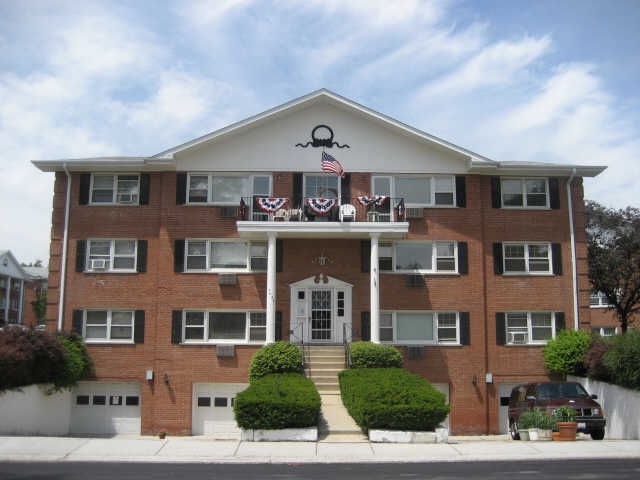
<point x="65" y="241"/>
<point x="574" y="269"/>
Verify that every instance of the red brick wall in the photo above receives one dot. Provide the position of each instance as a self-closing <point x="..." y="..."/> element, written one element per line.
<point x="160" y="290"/>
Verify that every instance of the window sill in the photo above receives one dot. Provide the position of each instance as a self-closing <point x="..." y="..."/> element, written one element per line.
<point x="109" y="342"/>
<point x="520" y="345"/>
<point x="600" y="306"/>
<point x="213" y="343"/>
<point x="110" y="272"/>
<point x="527" y="274"/>
<point x="113" y="204"/>
<point x="526" y="208"/>
<point x="420" y="272"/>
<point x="222" y="272"/>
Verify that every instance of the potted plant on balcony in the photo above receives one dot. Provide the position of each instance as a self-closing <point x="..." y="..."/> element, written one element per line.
<point x="566" y="422"/>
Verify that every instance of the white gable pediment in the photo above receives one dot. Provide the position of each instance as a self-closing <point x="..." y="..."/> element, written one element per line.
<point x="314" y="281"/>
<point x="9" y="266"/>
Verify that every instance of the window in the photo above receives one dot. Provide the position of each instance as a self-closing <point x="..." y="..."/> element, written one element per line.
<point x="111" y="255"/>
<point x="598" y="300"/>
<point x="218" y="189"/>
<point x="605" y="331"/>
<point x="418" y="257"/>
<point x="221" y="255"/>
<point x="321" y="186"/>
<point x="526" y="328"/>
<point x="224" y="327"/>
<point x="115" y="189"/>
<point x="420" y="328"/>
<point x="108" y="325"/>
<point x="527" y="258"/>
<point x="417" y="191"/>
<point x="525" y="192"/>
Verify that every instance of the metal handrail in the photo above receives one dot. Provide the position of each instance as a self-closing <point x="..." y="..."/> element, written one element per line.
<point x="345" y="343"/>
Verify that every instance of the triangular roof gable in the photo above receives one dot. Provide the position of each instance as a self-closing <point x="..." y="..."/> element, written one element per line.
<point x="12" y="267"/>
<point x="308" y="100"/>
<point x="314" y="281"/>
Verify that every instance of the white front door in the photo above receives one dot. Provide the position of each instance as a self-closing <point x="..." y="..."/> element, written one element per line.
<point x="322" y="327"/>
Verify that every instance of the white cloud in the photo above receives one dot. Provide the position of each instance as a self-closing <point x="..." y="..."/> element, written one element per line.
<point x="207" y="12"/>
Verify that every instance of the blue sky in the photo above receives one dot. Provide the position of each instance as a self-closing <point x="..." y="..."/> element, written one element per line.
<point x="547" y="81"/>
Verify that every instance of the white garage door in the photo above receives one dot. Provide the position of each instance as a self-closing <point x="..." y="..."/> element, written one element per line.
<point x="444" y="388"/>
<point x="213" y="408"/>
<point x="504" y="391"/>
<point x="105" y="408"/>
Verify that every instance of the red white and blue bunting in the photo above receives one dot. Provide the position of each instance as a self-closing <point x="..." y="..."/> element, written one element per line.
<point x="371" y="200"/>
<point x="271" y="205"/>
<point x="321" y="206"/>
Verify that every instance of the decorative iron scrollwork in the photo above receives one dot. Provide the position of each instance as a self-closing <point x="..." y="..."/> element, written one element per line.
<point x="322" y="141"/>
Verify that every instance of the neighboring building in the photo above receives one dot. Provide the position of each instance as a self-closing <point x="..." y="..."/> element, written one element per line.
<point x="35" y="286"/>
<point x="181" y="265"/>
<point x="604" y="319"/>
<point x="12" y="289"/>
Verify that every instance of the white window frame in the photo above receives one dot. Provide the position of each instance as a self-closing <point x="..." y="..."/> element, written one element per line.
<point x="221" y="341"/>
<point x="510" y="339"/>
<point x="525" y="205"/>
<point x="110" y="313"/>
<point x="321" y="175"/>
<point x="436" y="326"/>
<point x="114" y="194"/>
<point x="432" y="189"/>
<point x="602" y="331"/>
<point x="603" y="301"/>
<point x="208" y="242"/>
<point x="112" y="255"/>
<point x="434" y="257"/>
<point x="527" y="259"/>
<point x="210" y="176"/>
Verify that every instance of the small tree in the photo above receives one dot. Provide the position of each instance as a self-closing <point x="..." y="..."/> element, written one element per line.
<point x="565" y="353"/>
<point x="613" y="242"/>
<point x="39" y="306"/>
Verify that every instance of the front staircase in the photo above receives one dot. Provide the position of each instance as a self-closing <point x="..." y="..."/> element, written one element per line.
<point x="322" y="364"/>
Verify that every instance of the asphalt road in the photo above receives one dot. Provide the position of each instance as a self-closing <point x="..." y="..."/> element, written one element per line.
<point x="565" y="470"/>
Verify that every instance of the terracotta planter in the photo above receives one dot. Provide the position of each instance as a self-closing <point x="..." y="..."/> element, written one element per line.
<point x="555" y="436"/>
<point x="567" y="431"/>
<point x="162" y="435"/>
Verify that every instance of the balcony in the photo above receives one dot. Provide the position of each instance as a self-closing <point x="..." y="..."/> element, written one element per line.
<point x="322" y="217"/>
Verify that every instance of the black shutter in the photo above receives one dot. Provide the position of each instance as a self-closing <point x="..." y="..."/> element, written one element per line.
<point x="554" y="193"/>
<point x="365" y="327"/>
<point x="556" y="254"/>
<point x="365" y="255"/>
<point x="501" y="328"/>
<point x="465" y="329"/>
<point x="463" y="258"/>
<point x="142" y="256"/>
<point x="345" y="187"/>
<point x="76" y="322"/>
<point x="138" y="327"/>
<point x="85" y="185"/>
<point x="461" y="192"/>
<point x="279" y="255"/>
<point x="496" y="195"/>
<point x="181" y="188"/>
<point x="81" y="255"/>
<point x="560" y="322"/>
<point x="178" y="256"/>
<point x="297" y="190"/>
<point x="278" y="326"/>
<point x="176" y="326"/>
<point x="498" y="267"/>
<point x="145" y="181"/>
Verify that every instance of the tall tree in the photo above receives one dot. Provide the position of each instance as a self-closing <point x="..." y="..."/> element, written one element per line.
<point x="613" y="242"/>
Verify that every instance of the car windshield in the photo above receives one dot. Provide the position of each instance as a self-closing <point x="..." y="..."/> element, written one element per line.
<point x="561" y="390"/>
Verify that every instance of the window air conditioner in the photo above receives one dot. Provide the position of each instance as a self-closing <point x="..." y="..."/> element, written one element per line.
<point x="415" y="212"/>
<point x="126" y="197"/>
<point x="228" y="211"/>
<point x="228" y="279"/>
<point x="98" y="264"/>
<point x="517" y="338"/>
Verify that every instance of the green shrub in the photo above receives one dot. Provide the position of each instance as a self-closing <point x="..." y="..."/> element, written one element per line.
<point x="565" y="354"/>
<point x="373" y="355"/>
<point x="593" y="359"/>
<point x="275" y="401"/>
<point x="565" y="414"/>
<point x="391" y="398"/>
<point x="278" y="357"/>
<point x="77" y="362"/>
<point x="536" y="418"/>
<point x="622" y="361"/>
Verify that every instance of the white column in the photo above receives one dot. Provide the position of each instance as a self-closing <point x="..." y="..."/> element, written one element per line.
<point x="21" y="303"/>
<point x="7" y="299"/>
<point x="375" y="291"/>
<point x="271" y="288"/>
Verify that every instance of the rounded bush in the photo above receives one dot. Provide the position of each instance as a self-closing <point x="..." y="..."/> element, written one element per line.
<point x="565" y="354"/>
<point x="373" y="355"/>
<point x="278" y="357"/>
<point x="623" y="358"/>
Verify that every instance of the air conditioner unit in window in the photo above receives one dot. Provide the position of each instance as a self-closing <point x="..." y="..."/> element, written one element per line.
<point x="127" y="197"/>
<point x="98" y="264"/>
<point x="228" y="211"/>
<point x="228" y="279"/>
<point x="517" y="338"/>
<point x="415" y="212"/>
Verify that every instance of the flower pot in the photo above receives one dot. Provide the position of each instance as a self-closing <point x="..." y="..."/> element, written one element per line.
<point x="567" y="431"/>
<point x="162" y="435"/>
<point x="544" y="435"/>
<point x="524" y="434"/>
<point x="555" y="436"/>
<point x="533" y="434"/>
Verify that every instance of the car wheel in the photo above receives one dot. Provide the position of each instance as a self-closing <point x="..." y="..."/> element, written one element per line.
<point x="513" y="430"/>
<point x="597" y="434"/>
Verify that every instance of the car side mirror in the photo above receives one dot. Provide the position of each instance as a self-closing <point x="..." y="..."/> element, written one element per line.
<point x="531" y="398"/>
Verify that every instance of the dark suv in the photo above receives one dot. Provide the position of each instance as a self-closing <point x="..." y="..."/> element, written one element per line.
<point x="550" y="395"/>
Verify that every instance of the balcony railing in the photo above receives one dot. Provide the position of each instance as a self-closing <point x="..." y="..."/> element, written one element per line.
<point x="309" y="209"/>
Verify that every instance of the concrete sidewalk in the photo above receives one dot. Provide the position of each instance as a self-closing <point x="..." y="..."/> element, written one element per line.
<point x="207" y="450"/>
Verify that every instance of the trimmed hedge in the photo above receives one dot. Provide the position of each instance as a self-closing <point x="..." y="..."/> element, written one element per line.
<point x="622" y="360"/>
<point x="392" y="399"/>
<point x="278" y="357"/>
<point x="373" y="355"/>
<point x="275" y="401"/>
<point x="565" y="353"/>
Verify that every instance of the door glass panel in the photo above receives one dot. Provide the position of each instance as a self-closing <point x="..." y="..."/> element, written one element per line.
<point x="321" y="315"/>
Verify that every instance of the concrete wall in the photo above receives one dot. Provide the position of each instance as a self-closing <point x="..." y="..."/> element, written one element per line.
<point x="31" y="412"/>
<point x="620" y="406"/>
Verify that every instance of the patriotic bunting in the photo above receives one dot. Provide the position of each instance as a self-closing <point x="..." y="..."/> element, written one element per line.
<point x="370" y="200"/>
<point x="321" y="206"/>
<point x="271" y="205"/>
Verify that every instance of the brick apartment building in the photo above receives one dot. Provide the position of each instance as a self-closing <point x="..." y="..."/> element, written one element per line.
<point x="177" y="267"/>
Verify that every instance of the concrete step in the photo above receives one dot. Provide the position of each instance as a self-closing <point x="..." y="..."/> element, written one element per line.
<point x="324" y="378"/>
<point x="324" y="364"/>
<point x="323" y="356"/>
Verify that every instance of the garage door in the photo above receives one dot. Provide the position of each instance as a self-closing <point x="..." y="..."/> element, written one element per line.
<point x="105" y="408"/>
<point x="444" y="388"/>
<point x="213" y="408"/>
<point x="504" y="391"/>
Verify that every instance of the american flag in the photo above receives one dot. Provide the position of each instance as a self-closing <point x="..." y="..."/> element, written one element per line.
<point x="330" y="164"/>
